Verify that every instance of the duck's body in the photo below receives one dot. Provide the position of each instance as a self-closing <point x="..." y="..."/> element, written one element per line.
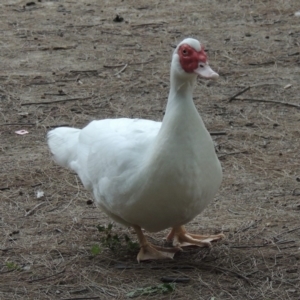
<point x="143" y="173"/>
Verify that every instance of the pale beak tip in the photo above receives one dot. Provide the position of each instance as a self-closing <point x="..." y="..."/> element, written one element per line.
<point x="215" y="76"/>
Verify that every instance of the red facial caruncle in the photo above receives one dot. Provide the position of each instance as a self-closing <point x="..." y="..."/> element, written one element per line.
<point x="190" y="58"/>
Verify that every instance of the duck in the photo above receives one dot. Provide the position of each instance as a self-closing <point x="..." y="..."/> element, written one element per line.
<point x="151" y="175"/>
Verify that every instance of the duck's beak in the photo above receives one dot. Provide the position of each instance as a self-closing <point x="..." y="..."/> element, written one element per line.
<point x="205" y="71"/>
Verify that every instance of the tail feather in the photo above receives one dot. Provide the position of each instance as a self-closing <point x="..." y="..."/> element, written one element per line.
<point x="63" y="143"/>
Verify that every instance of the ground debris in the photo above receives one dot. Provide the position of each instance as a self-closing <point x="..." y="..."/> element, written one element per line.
<point x="66" y="63"/>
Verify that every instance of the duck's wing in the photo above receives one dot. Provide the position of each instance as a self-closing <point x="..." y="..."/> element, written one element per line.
<point x="103" y="149"/>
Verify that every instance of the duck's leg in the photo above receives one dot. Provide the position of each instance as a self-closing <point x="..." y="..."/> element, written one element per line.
<point x="181" y="238"/>
<point x="149" y="251"/>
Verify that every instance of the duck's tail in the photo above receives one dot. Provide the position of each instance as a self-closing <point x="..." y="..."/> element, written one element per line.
<point x="63" y="142"/>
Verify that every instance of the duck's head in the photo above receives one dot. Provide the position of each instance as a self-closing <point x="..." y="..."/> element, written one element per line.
<point x="190" y="60"/>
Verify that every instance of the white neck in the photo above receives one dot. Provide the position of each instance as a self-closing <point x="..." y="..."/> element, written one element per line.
<point x="180" y="108"/>
<point x="182" y="130"/>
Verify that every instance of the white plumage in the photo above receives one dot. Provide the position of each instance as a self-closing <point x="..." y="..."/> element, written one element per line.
<point x="148" y="174"/>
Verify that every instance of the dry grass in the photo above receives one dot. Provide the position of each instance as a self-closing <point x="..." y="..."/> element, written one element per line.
<point x="75" y="47"/>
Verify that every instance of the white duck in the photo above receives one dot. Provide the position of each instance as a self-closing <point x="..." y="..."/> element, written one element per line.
<point x="147" y="174"/>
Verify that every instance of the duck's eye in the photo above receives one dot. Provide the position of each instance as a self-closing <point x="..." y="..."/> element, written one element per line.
<point x="184" y="52"/>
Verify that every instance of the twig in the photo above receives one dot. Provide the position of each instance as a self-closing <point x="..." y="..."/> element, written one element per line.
<point x="234" y="273"/>
<point x="265" y="245"/>
<point x="232" y="153"/>
<point x="59" y="125"/>
<point x="142" y="62"/>
<point x="33" y="209"/>
<point x="55" y="94"/>
<point x="56" y="101"/>
<point x="168" y="279"/>
<point x="35" y="185"/>
<point x="121" y="70"/>
<point x="233" y="212"/>
<point x="284" y="281"/>
<point x="239" y="93"/>
<point x="218" y="133"/>
<point x="294" y="53"/>
<point x="4" y="188"/>
<point x="42" y="278"/>
<point x="87" y="25"/>
<point x="223" y="270"/>
<point x="288" y="231"/>
<point x="113" y="33"/>
<point x="288" y="247"/>
<point x="113" y="66"/>
<point x="54" y="48"/>
<point x="6" y="249"/>
<point x="18" y="124"/>
<point x="249" y="246"/>
<point x="285" y="242"/>
<point x="130" y="64"/>
<point x="269" y="62"/>
<point x="251" y="273"/>
<point x="83" y="71"/>
<point x="264" y="84"/>
<point x="8" y="271"/>
<point x="269" y="101"/>
<point x="41" y="83"/>
<point x="84" y="298"/>
<point x="249" y="226"/>
<point x="148" y="24"/>
<point x="155" y="267"/>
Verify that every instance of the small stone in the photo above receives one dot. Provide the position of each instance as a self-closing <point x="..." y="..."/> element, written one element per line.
<point x="118" y="19"/>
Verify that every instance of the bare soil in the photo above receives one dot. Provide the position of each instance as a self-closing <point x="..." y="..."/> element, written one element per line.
<point x="54" y="52"/>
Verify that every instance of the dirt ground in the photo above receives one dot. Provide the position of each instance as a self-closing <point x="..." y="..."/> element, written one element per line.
<point x="67" y="63"/>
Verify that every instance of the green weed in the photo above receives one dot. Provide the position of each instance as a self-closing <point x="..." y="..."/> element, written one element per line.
<point x="113" y="241"/>
<point x="132" y="246"/>
<point x="12" y="266"/>
<point x="95" y="249"/>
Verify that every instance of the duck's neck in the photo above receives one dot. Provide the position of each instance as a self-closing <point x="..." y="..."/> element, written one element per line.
<point x="181" y="92"/>
<point x="180" y="109"/>
<point x="182" y="134"/>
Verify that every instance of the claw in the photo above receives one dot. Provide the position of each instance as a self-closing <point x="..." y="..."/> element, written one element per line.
<point x="182" y="239"/>
<point x="149" y="251"/>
